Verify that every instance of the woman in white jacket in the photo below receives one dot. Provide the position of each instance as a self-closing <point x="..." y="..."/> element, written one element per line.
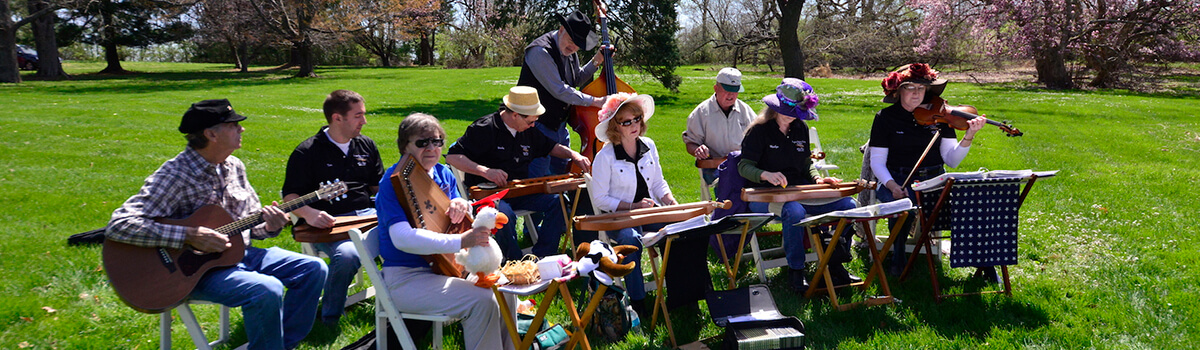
<point x="626" y="174"/>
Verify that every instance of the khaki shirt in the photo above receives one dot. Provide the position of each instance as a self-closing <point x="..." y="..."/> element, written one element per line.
<point x="708" y="125"/>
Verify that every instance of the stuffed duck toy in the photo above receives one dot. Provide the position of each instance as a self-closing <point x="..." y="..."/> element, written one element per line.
<point x="481" y="262"/>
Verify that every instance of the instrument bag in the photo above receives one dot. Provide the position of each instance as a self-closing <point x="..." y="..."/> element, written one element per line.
<point x="752" y="321"/>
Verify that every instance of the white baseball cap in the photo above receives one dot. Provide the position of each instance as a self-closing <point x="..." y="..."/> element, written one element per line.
<point x="730" y="79"/>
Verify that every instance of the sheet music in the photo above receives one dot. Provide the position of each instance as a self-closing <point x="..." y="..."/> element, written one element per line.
<point x="940" y="180"/>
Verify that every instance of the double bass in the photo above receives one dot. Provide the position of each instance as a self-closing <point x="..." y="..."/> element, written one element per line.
<point x="585" y="118"/>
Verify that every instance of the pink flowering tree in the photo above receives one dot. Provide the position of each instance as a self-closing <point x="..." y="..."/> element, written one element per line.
<point x="1109" y="37"/>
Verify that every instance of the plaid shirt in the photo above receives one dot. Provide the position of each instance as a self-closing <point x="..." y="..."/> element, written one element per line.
<point x="176" y="190"/>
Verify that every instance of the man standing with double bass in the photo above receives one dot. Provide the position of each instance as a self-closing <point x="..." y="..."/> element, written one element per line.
<point x="552" y="67"/>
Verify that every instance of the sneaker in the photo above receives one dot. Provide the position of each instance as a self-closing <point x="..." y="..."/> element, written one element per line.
<point x="797" y="280"/>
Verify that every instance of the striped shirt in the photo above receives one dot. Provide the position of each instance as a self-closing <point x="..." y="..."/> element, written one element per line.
<point x="176" y="190"/>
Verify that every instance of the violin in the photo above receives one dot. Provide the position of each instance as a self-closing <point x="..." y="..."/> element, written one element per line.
<point x="955" y="116"/>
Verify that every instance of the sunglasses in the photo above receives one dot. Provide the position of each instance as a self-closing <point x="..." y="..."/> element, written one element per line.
<point x="422" y="143"/>
<point x="631" y="121"/>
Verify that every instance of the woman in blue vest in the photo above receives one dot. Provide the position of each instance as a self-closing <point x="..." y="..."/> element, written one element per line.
<point x="409" y="278"/>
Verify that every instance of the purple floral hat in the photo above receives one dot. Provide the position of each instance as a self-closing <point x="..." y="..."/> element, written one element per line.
<point x="794" y="98"/>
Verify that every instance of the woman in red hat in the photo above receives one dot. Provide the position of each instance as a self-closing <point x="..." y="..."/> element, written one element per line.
<point x="897" y="142"/>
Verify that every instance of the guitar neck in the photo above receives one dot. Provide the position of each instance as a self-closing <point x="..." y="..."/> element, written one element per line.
<point x="256" y="218"/>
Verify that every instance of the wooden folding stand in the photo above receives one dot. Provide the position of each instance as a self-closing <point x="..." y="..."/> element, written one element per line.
<point x="638" y="217"/>
<point x="926" y="240"/>
<point x="549" y="290"/>
<point x="824" y="253"/>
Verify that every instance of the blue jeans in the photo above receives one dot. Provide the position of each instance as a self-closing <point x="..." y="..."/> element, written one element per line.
<point x="546" y="166"/>
<point x="635" y="284"/>
<point x="549" y="231"/>
<point x="794" y="238"/>
<point x="273" y="319"/>
<point x="884" y="195"/>
<point x="343" y="265"/>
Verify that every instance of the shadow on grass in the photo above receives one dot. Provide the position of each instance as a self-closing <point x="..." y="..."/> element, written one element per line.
<point x="966" y="316"/>
<point x="149" y="82"/>
<point x="465" y="110"/>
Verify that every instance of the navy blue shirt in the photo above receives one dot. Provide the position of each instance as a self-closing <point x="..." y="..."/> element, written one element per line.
<point x="775" y="151"/>
<point x="489" y="143"/>
<point x="317" y="160"/>
<point x="895" y="129"/>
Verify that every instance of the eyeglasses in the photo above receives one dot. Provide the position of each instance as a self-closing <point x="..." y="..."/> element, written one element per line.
<point x="422" y="143"/>
<point x="631" y="121"/>
<point x="914" y="87"/>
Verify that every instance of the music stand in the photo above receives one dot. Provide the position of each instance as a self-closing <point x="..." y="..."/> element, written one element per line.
<point x="839" y="220"/>
<point x="740" y="224"/>
<point x="929" y="219"/>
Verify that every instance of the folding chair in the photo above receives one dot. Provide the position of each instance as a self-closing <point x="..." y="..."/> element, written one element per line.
<point x="309" y="249"/>
<point x="706" y="188"/>
<point x="385" y="308"/>
<point x="193" y="326"/>
<point x="815" y="141"/>
<point x="526" y="215"/>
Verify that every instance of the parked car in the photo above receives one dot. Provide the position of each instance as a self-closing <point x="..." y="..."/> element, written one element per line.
<point x="27" y="58"/>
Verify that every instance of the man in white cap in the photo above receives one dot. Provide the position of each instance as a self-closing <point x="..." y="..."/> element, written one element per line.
<point x="497" y="148"/>
<point x="552" y="67"/>
<point x="716" y="126"/>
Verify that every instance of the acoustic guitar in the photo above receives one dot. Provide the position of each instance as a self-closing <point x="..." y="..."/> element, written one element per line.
<point x="153" y="280"/>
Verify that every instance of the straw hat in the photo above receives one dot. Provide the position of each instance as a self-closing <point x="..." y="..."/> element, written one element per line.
<point x="524" y="100"/>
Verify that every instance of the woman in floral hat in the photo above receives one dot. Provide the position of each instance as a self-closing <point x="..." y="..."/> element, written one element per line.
<point x="897" y="142"/>
<point x="627" y="174"/>
<point x="776" y="152"/>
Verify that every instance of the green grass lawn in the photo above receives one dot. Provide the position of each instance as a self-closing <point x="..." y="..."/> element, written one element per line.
<point x="1107" y="252"/>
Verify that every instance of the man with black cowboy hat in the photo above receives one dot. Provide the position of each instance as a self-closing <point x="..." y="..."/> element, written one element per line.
<point x="206" y="173"/>
<point x="497" y="148"/>
<point x="552" y="67"/>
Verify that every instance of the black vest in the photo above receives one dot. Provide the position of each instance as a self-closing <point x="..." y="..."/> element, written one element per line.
<point x="568" y="71"/>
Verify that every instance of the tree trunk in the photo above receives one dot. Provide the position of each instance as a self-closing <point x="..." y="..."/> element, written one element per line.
<point x="111" y="56"/>
<point x="303" y="52"/>
<point x="789" y="38"/>
<point x="243" y="54"/>
<point x="425" y="57"/>
<point x="1052" y="69"/>
<point x="49" y="65"/>
<point x="9" y="72"/>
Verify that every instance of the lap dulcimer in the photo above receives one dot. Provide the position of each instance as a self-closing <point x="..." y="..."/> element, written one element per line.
<point x="637" y="217"/>
<point x="806" y="192"/>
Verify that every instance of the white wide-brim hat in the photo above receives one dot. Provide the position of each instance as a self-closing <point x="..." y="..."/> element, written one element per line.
<point x="614" y="104"/>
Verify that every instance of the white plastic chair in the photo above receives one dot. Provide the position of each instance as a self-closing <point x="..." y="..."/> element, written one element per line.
<point x="193" y="326"/>
<point x="310" y="249"/>
<point x="815" y="141"/>
<point x="526" y="215"/>
<point x="385" y="308"/>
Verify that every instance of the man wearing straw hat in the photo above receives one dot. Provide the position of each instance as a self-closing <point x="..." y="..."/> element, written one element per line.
<point x="498" y="148"/>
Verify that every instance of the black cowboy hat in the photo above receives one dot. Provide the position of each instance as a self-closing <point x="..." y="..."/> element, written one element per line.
<point x="579" y="27"/>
